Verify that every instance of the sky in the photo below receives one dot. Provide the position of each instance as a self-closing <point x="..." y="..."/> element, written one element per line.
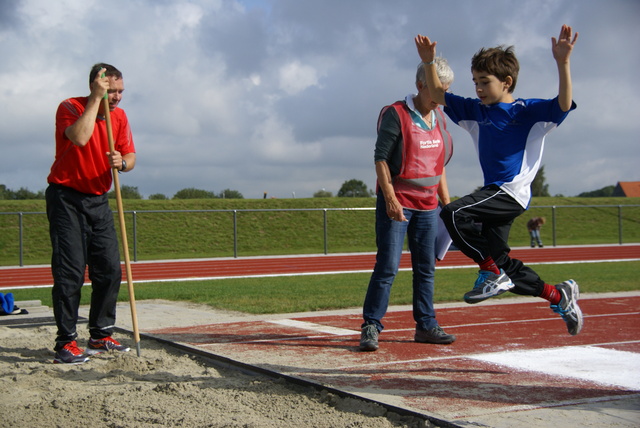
<point x="282" y="96"/>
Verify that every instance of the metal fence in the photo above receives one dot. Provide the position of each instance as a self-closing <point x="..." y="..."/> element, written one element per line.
<point x="622" y="225"/>
<point x="235" y="213"/>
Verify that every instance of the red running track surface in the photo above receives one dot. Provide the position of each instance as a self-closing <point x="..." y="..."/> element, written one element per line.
<point x="30" y="276"/>
<point x="449" y="381"/>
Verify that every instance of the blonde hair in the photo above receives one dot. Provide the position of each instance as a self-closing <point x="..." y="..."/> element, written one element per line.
<point x="444" y="72"/>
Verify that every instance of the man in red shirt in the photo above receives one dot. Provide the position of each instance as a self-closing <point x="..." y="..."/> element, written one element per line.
<point x="81" y="222"/>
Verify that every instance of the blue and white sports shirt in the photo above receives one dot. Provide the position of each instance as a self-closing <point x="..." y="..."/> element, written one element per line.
<point x="509" y="138"/>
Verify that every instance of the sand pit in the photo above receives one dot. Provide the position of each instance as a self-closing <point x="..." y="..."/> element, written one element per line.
<point x="162" y="387"/>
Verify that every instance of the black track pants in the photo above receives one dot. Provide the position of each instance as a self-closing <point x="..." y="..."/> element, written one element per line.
<point x="479" y="225"/>
<point x="82" y="234"/>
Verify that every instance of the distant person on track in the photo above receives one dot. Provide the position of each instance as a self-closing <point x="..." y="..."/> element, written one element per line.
<point x="411" y="151"/>
<point x="509" y="137"/>
<point x="533" y="226"/>
<point x="81" y="222"/>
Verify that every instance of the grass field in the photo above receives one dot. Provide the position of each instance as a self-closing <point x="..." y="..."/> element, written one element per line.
<point x="321" y="292"/>
<point x="163" y="232"/>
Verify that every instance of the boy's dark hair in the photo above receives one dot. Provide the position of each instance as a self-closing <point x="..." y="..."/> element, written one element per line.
<point x="110" y="71"/>
<point x="499" y="61"/>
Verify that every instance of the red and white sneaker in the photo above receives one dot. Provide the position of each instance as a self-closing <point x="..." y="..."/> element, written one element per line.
<point x="97" y="346"/>
<point x="69" y="353"/>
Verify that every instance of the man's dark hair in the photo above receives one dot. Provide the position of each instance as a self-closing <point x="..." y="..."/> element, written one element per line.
<point x="110" y="71"/>
<point x="499" y="61"/>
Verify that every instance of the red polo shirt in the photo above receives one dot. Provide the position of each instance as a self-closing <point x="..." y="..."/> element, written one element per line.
<point x="86" y="169"/>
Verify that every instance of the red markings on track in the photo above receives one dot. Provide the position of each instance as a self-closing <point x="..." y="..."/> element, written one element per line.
<point x="291" y="265"/>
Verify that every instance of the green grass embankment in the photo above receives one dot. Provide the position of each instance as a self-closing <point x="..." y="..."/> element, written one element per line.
<point x="171" y="235"/>
<point x="162" y="233"/>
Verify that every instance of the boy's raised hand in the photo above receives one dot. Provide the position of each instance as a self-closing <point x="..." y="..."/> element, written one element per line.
<point x="563" y="46"/>
<point x="426" y="49"/>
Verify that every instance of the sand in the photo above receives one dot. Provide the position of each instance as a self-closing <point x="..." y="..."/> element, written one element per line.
<point x="163" y="387"/>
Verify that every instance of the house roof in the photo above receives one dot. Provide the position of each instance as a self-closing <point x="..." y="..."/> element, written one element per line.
<point x="630" y="189"/>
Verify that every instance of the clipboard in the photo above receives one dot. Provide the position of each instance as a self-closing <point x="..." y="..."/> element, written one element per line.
<point x="443" y="240"/>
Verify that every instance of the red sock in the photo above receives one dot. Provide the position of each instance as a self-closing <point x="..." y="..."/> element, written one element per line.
<point x="489" y="265"/>
<point x="551" y="294"/>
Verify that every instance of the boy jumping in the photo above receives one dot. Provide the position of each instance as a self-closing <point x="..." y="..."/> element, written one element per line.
<point x="509" y="137"/>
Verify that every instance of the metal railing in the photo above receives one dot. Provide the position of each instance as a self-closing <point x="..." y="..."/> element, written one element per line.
<point x="325" y="229"/>
<point x="235" y="221"/>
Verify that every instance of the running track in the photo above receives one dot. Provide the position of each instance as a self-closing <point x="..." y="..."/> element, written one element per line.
<point x="40" y="276"/>
<point x="508" y="358"/>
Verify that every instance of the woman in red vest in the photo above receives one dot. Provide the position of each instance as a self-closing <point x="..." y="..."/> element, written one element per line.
<point x="411" y="151"/>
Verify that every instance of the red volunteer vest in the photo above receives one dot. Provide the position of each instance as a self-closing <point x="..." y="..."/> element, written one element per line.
<point x="424" y="155"/>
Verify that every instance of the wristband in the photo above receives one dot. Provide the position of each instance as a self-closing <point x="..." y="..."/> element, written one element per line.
<point x="124" y="165"/>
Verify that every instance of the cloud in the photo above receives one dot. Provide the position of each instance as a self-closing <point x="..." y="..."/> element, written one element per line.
<point x="283" y="95"/>
<point x="295" y="77"/>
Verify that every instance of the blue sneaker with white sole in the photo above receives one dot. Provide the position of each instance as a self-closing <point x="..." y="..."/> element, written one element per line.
<point x="488" y="285"/>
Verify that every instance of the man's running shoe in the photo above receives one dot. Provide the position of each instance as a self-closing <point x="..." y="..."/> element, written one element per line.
<point x="568" y="306"/>
<point x="369" y="338"/>
<point x="488" y="285"/>
<point x="435" y="335"/>
<point x="70" y="354"/>
<point x="96" y="346"/>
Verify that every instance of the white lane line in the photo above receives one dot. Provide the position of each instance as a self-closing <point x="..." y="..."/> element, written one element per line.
<point x="551" y="318"/>
<point x="319" y="328"/>
<point x="335" y="331"/>
<point x="563" y="403"/>
<point x="590" y="363"/>
<point x="467" y="356"/>
<point x="339" y="272"/>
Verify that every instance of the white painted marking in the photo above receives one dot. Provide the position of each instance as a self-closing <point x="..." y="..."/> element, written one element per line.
<point x="277" y="275"/>
<point x="590" y="363"/>
<point x="450" y="357"/>
<point x="315" y="327"/>
<point x="552" y="317"/>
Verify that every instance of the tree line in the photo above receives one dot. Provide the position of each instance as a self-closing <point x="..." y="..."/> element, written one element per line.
<point x="127" y="192"/>
<point x="350" y="189"/>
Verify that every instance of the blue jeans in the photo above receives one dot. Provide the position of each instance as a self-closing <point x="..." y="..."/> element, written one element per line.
<point x="535" y="238"/>
<point x="421" y="230"/>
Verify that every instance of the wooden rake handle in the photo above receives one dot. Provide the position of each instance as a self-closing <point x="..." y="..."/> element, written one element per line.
<point x="123" y="229"/>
